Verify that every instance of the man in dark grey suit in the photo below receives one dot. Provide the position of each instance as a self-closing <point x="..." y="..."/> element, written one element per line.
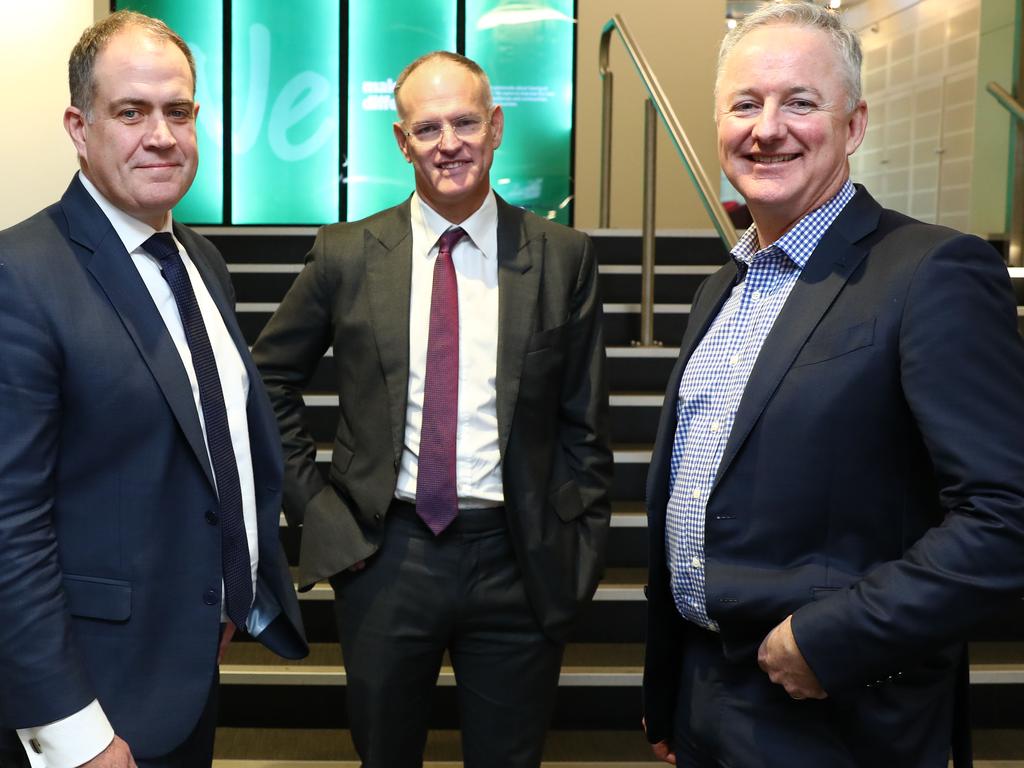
<point x="140" y="467"/>
<point x="466" y="507"/>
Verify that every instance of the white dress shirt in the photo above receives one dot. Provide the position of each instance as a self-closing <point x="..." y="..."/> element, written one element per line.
<point x="83" y="735"/>
<point x="477" y="458"/>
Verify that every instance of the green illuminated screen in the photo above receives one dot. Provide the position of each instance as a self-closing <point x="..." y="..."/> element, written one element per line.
<point x="285" y="111"/>
<point x="384" y="36"/>
<point x="527" y="51"/>
<point x="201" y="25"/>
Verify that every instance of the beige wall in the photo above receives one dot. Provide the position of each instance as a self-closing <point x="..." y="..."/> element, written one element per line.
<point x="680" y="40"/>
<point x="36" y="155"/>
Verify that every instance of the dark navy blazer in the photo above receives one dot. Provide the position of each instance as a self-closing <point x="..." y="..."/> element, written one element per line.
<point x="110" y="575"/>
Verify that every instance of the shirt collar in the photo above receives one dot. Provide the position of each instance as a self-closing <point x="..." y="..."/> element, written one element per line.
<point x="803" y="237"/>
<point x="132" y="232"/>
<point x="481" y="226"/>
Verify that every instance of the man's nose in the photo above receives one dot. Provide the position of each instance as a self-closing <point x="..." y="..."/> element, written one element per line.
<point x="449" y="139"/>
<point x="159" y="134"/>
<point x="770" y="124"/>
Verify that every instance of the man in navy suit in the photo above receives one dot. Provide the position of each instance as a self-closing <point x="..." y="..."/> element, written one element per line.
<point x="836" y="493"/>
<point x="140" y="467"/>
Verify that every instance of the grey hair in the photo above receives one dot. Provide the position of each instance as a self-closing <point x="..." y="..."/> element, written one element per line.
<point x="803" y="13"/>
<point x="455" y="58"/>
<point x="81" y="65"/>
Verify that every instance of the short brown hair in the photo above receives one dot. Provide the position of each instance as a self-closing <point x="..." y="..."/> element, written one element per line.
<point x="455" y="58"/>
<point x="81" y="80"/>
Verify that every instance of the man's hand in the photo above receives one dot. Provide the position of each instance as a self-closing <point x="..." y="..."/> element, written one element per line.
<point x="780" y="657"/>
<point x="116" y="755"/>
<point x="662" y="752"/>
<point x="225" y="640"/>
<point x="661" y="749"/>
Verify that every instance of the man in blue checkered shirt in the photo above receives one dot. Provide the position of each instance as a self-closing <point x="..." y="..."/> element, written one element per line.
<point x="836" y="494"/>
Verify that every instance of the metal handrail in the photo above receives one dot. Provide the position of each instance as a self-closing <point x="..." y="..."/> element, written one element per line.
<point x="656" y="105"/>
<point x="1006" y="99"/>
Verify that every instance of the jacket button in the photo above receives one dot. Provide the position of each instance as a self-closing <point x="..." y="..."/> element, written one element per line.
<point x="211" y="517"/>
<point x="210" y="597"/>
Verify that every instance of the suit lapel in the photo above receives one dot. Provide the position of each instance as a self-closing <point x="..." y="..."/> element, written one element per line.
<point x="112" y="268"/>
<point x="823" y="277"/>
<point x="710" y="300"/>
<point x="388" y="250"/>
<point x="520" y="264"/>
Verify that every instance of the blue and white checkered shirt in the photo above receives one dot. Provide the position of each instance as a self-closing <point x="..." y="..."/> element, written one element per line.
<point x="713" y="384"/>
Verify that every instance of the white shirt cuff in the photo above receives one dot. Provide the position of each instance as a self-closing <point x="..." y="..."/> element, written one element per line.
<point x="70" y="742"/>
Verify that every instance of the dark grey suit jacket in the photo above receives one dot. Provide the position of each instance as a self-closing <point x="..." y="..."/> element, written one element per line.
<point x="552" y="402"/>
<point x="110" y="568"/>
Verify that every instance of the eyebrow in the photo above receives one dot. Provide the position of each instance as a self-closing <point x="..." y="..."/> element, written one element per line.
<point x="130" y="101"/>
<point x="793" y="91"/>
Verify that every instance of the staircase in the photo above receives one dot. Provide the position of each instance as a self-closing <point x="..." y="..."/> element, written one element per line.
<point x="277" y="714"/>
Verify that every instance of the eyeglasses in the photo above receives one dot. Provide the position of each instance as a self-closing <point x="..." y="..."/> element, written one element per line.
<point x="468" y="127"/>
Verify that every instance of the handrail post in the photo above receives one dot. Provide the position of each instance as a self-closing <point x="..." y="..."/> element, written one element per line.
<point x="647" y="254"/>
<point x="1016" y="254"/>
<point x="605" y="213"/>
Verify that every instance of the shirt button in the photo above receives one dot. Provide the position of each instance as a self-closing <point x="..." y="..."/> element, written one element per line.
<point x="210" y="597"/>
<point x="695" y="562"/>
<point x="756" y="295"/>
<point x="715" y="426"/>
<point x="734" y="360"/>
<point x="695" y="493"/>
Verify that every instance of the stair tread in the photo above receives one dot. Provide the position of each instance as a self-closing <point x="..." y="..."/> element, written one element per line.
<point x="578" y="656"/>
<point x="576" y="748"/>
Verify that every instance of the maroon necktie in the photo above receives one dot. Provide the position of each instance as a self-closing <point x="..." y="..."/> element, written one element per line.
<point x="436" y="499"/>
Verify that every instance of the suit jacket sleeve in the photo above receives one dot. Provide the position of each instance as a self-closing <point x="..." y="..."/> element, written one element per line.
<point x="43" y="678"/>
<point x="961" y="369"/>
<point x="286" y="354"/>
<point x="584" y="410"/>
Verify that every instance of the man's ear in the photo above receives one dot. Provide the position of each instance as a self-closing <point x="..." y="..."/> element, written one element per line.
<point x="77" y="127"/>
<point x="402" y="139"/>
<point x="497" y="126"/>
<point x="857" y="126"/>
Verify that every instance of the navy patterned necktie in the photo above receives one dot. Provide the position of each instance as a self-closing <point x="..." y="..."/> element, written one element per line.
<point x="437" y="500"/>
<point x="234" y="545"/>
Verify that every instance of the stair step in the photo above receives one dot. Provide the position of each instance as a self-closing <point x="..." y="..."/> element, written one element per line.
<point x="618" y="584"/>
<point x="332" y="748"/>
<point x="584" y="664"/>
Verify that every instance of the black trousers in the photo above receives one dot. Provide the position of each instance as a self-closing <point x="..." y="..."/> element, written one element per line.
<point x="421" y="595"/>
<point x="730" y="715"/>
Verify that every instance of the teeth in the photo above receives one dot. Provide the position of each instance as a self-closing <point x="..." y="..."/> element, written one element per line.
<point x="448" y="166"/>
<point x="771" y="159"/>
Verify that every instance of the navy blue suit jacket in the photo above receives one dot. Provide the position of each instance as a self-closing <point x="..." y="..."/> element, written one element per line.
<point x="110" y="574"/>
<point x="873" y="482"/>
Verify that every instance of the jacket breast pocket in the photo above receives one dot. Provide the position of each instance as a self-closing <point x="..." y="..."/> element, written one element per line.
<point x="95" y="598"/>
<point x="837" y="343"/>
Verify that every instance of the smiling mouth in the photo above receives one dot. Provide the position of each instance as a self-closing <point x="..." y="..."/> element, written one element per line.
<point x="772" y="159"/>
<point x="452" y="165"/>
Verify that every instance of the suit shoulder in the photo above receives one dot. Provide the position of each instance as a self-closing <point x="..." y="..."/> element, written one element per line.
<point x="913" y="240"/>
<point x="347" y="233"/>
<point x="553" y="230"/>
<point x="45" y="226"/>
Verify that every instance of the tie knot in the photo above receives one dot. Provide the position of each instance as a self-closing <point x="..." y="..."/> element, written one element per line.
<point x="448" y="240"/>
<point x="161" y="245"/>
